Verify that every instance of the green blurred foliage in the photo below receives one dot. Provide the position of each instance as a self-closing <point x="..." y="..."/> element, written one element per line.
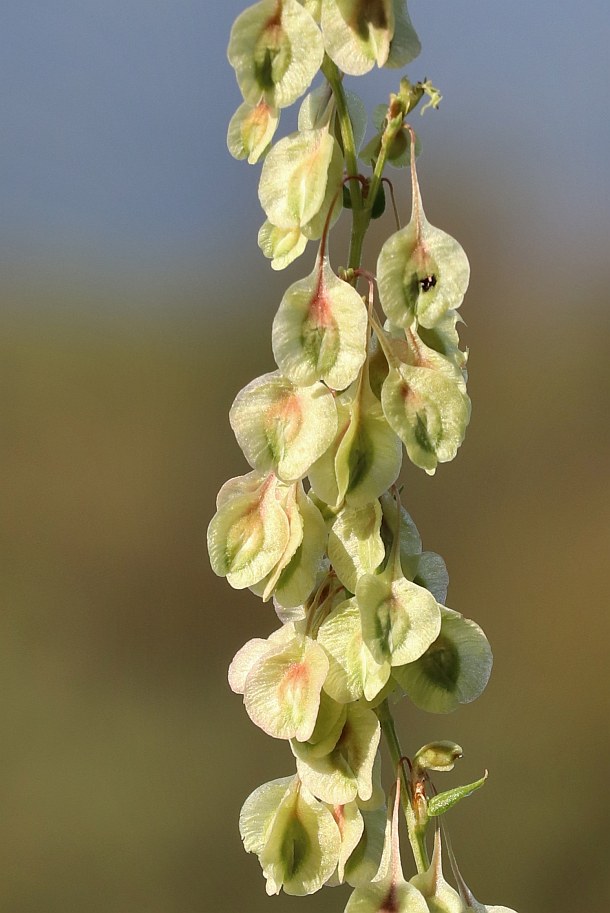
<point x="125" y="757"/>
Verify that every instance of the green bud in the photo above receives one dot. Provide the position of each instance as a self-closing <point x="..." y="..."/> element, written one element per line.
<point x="437" y="756"/>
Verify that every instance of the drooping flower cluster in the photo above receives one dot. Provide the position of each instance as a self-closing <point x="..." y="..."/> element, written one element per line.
<point x="318" y="524"/>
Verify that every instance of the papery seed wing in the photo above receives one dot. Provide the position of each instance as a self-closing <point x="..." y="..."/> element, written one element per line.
<point x="454" y="670"/>
<point x="319" y="331"/>
<point x="357" y="35"/>
<point x="355" y="546"/>
<point x="251" y="130"/>
<point x="294" y="177"/>
<point x="282" y="690"/>
<point x="281" y="427"/>
<point x="276" y="49"/>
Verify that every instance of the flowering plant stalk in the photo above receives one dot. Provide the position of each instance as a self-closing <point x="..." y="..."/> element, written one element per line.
<point x="319" y="524"/>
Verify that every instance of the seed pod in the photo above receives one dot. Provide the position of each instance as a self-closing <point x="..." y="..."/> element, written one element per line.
<point x="281" y="427"/>
<point x="454" y="670"/>
<point x="276" y="50"/>
<point x="251" y="130"/>
<point x="319" y="331"/>
<point x="294" y="835"/>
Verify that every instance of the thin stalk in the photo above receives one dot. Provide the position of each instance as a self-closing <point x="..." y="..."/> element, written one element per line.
<point x="416" y="837"/>
<point x="360" y="215"/>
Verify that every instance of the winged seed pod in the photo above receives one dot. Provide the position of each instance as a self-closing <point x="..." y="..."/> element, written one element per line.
<point x="276" y="50"/>
<point x="318" y="525"/>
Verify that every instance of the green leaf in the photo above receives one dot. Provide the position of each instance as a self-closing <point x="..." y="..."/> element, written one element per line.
<point x="276" y="50"/>
<point x="282" y="427"/>
<point x="319" y="331"/>
<point x="442" y="802"/>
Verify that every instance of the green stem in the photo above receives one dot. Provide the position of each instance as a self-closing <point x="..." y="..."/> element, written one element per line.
<point x="416" y="835"/>
<point x="360" y="215"/>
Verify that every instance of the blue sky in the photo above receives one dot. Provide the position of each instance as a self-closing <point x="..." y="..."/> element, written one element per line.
<point x="114" y="117"/>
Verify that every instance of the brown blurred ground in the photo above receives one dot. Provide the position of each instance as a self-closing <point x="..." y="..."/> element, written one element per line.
<point x="125" y="758"/>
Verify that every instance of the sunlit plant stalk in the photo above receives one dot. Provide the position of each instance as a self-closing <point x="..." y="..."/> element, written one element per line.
<point x="319" y="523"/>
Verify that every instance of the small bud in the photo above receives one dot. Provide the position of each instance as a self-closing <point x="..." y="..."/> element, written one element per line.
<point x="437" y="756"/>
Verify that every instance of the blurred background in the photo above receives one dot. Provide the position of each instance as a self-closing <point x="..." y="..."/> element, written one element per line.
<point x="135" y="304"/>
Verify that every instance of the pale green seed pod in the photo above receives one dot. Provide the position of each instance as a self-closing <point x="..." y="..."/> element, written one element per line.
<point x="366" y="456"/>
<point x="391" y="893"/>
<point x="353" y="670"/>
<point x="319" y="331"/>
<point x="428" y="411"/>
<point x="276" y="50"/>
<point x="294" y="835"/>
<point x="440" y="896"/>
<point x="251" y="130"/>
<point x="351" y="827"/>
<point x="422" y="272"/>
<point x="355" y="546"/>
<point x="250" y="530"/>
<point x="294" y="177"/>
<point x="345" y="772"/>
<point x="282" y="688"/>
<point x="281" y="427"/>
<point x="454" y="670"/>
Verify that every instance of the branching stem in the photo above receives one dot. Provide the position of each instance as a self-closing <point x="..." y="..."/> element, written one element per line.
<point x="416" y="836"/>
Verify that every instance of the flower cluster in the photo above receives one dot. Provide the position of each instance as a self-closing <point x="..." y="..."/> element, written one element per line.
<point x="318" y="524"/>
